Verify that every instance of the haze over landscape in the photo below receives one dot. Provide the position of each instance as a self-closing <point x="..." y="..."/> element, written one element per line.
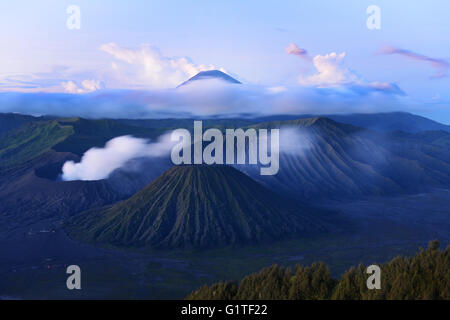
<point x="338" y="66"/>
<point x="87" y="175"/>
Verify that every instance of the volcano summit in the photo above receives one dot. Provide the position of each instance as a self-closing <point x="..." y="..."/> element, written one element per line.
<point x="196" y="206"/>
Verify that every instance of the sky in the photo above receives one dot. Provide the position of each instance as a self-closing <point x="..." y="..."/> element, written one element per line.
<point x="305" y="50"/>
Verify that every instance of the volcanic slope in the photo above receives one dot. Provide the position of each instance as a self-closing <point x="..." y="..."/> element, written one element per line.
<point x="327" y="159"/>
<point x="196" y="206"/>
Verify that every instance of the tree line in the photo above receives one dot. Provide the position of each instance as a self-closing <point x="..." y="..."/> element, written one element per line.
<point x="423" y="276"/>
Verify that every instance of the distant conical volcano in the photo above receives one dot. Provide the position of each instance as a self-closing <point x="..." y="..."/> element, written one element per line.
<point x="211" y="74"/>
<point x="196" y="206"/>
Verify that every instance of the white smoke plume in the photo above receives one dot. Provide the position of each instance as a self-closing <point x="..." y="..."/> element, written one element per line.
<point x="295" y="141"/>
<point x="99" y="163"/>
<point x="292" y="140"/>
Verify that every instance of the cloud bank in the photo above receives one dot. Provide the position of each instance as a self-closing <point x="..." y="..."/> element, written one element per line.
<point x="146" y="67"/>
<point x="209" y="98"/>
<point x="99" y="163"/>
<point x="150" y="79"/>
<point x="136" y="68"/>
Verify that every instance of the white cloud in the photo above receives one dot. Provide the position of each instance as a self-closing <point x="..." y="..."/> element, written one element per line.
<point x="145" y="67"/>
<point x="141" y="68"/>
<point x="99" y="163"/>
<point x="86" y="86"/>
<point x="330" y="72"/>
<point x="29" y="82"/>
<point x="91" y="85"/>
<point x="57" y="80"/>
<point x="292" y="140"/>
<point x="276" y="89"/>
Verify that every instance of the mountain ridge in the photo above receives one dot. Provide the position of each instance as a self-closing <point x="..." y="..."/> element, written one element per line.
<point x="341" y="160"/>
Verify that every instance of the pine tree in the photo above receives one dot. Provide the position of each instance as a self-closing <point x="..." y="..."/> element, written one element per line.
<point x="424" y="276"/>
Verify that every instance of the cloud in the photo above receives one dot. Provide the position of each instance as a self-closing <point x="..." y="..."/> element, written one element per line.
<point x="53" y="81"/>
<point x="210" y="98"/>
<point x="293" y="49"/>
<point x="276" y="89"/>
<point x="24" y="82"/>
<point x="86" y="86"/>
<point x="146" y="68"/>
<point x="441" y="66"/>
<point x="333" y="88"/>
<point x="139" y="68"/>
<point x="99" y="163"/>
<point x="331" y="73"/>
<point x="385" y="87"/>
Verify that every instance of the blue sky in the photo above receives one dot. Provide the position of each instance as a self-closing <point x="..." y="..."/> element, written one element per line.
<point x="118" y="42"/>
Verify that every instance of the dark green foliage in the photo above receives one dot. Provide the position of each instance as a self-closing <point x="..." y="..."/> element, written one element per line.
<point x="272" y="283"/>
<point x="424" y="276"/>
<point x="10" y="121"/>
<point x="31" y="140"/>
<point x="75" y="135"/>
<point x="95" y="133"/>
<point x="218" y="291"/>
<point x="311" y="283"/>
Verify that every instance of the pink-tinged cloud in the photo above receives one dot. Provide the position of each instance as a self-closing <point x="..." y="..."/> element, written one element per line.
<point x="441" y="66"/>
<point x="332" y="73"/>
<point x="293" y="49"/>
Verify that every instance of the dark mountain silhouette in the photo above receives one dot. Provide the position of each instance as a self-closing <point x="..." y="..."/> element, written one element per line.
<point x="212" y="74"/>
<point x="383" y="122"/>
<point x="196" y="206"/>
<point x="391" y="121"/>
<point x="10" y="121"/>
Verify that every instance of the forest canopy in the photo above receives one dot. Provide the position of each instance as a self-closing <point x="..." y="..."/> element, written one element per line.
<point x="423" y="276"/>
